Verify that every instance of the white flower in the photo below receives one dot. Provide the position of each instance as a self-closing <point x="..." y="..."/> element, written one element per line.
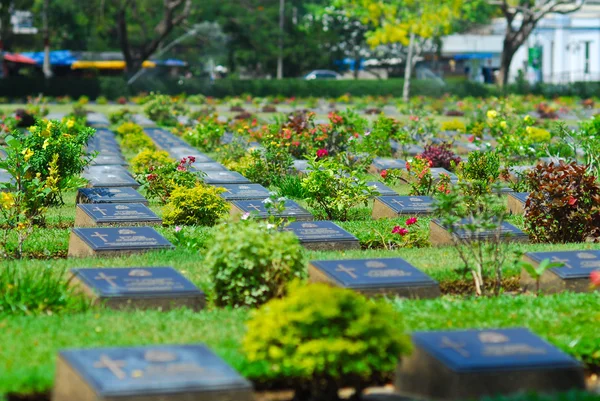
<point x="246" y="216"/>
<point x="367" y="133"/>
<point x="281" y="199"/>
<point x="267" y="201"/>
<point x="270" y="226"/>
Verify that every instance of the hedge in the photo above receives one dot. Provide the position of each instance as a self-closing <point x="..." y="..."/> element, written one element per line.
<point x="16" y="88"/>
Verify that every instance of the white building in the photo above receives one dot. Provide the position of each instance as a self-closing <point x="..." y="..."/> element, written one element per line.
<point x="570" y="46"/>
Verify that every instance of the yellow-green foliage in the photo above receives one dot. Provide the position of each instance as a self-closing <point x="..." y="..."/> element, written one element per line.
<point x="133" y="137"/>
<point x="453" y="125"/>
<point x="200" y="205"/>
<point x="129" y="128"/>
<point x="251" y="263"/>
<point x="535" y="134"/>
<point x="149" y="158"/>
<point x="323" y="334"/>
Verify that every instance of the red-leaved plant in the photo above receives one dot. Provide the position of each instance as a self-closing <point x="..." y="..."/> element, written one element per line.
<point x="564" y="205"/>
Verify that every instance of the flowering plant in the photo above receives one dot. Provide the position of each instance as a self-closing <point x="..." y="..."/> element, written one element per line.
<point x="24" y="199"/>
<point x="61" y="143"/>
<point x="335" y="188"/>
<point x="422" y="182"/>
<point x="408" y="234"/>
<point x="159" y="181"/>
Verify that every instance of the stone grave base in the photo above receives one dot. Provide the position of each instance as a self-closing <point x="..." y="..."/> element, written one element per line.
<point x="424" y="377"/>
<point x="79" y="249"/>
<point x="82" y="219"/>
<point x="515" y="205"/>
<point x="551" y="283"/>
<point x="164" y="302"/>
<point x="411" y="292"/>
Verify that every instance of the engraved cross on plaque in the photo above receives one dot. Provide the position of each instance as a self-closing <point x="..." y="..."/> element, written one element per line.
<point x="114" y="366"/>
<point x="565" y="262"/>
<point x="109" y="279"/>
<point x="97" y="209"/>
<point x="396" y="201"/>
<point x="458" y="347"/>
<point x="101" y="236"/>
<point x="251" y="206"/>
<point x="344" y="269"/>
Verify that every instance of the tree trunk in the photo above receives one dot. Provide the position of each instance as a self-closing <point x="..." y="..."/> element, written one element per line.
<point x="408" y="68"/>
<point x="508" y="52"/>
<point x="356" y="67"/>
<point x="47" y="69"/>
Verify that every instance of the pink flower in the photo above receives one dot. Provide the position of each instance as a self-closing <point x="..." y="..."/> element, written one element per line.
<point x="411" y="221"/>
<point x="177" y="229"/>
<point x="400" y="230"/>
<point x="322" y="153"/>
<point x="181" y="168"/>
<point x="383" y="173"/>
<point x="572" y="201"/>
<point x="413" y="118"/>
<point x="192" y="159"/>
<point x="595" y="278"/>
<point x="151" y="177"/>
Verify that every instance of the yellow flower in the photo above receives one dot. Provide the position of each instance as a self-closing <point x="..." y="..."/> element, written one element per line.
<point x="46" y="143"/>
<point x="503" y="124"/>
<point x="7" y="200"/>
<point x="70" y="124"/>
<point x="491" y="114"/>
<point x="21" y="226"/>
<point x="27" y="153"/>
<point x="528" y="119"/>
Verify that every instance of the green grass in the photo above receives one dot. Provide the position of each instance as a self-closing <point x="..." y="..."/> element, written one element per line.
<point x="30" y="344"/>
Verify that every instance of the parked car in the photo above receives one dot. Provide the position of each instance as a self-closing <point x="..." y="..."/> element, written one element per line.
<point x="322" y="74"/>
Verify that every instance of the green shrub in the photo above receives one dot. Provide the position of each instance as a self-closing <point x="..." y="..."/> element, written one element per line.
<point x="65" y="142"/>
<point x="335" y="188"/>
<point x="250" y="263"/>
<point x="120" y="116"/>
<point x="101" y="100"/>
<point x="163" y="109"/>
<point x="133" y="137"/>
<point x="322" y="338"/>
<point x="200" y="205"/>
<point x="206" y="135"/>
<point x="479" y="172"/>
<point x="564" y="204"/>
<point x="159" y="181"/>
<point x="25" y="291"/>
<point x="148" y="158"/>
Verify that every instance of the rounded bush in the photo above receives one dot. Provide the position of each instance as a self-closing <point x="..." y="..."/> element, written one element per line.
<point x="199" y="205"/>
<point x="250" y="263"/>
<point x="322" y="338"/>
<point x="149" y="158"/>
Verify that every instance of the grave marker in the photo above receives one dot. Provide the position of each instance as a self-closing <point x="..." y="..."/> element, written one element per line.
<point x="115" y="241"/>
<point x="109" y="176"/>
<point x="439" y="235"/>
<point x="375" y="277"/>
<point x="257" y="208"/>
<point x="111" y="214"/>
<point x="383" y="189"/>
<point x="323" y="235"/>
<point x="224" y="177"/>
<point x="396" y="206"/>
<point x="471" y="364"/>
<point x="574" y="275"/>
<point x="381" y="163"/>
<point x="156" y="372"/>
<point x="138" y="288"/>
<point x="110" y="195"/>
<point x="516" y="202"/>
<point x="244" y="192"/>
<point x="208" y="167"/>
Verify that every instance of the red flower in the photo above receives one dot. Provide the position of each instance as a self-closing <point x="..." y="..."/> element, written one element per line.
<point x="180" y="168"/>
<point x="192" y="159"/>
<point x="383" y="173"/>
<point x="572" y="201"/>
<point x="400" y="230"/>
<point x="595" y="278"/>
<point x="322" y="153"/>
<point x="411" y="221"/>
<point x="472" y="138"/>
<point x="151" y="177"/>
<point x="407" y="166"/>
